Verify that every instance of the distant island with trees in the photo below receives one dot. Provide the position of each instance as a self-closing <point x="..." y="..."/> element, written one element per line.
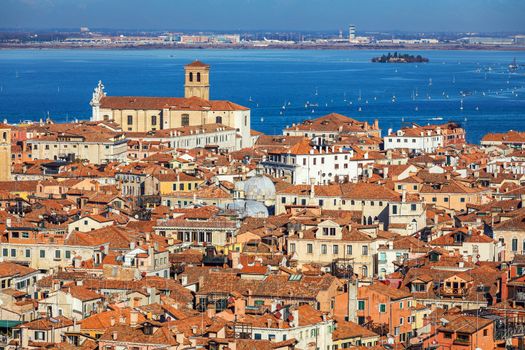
<point x="399" y="58"/>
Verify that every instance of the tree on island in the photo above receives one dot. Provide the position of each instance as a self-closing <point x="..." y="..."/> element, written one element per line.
<point x="399" y="58"/>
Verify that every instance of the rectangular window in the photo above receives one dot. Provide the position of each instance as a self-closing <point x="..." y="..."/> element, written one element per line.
<point x="57" y="254"/>
<point x="28" y="253"/>
<point x="309" y="248"/>
<point x="382" y="308"/>
<point x="130" y="120"/>
<point x="323" y="248"/>
<point x="394" y="209"/>
<point x="349" y="250"/>
<point x="361" y="305"/>
<point x="292" y="247"/>
<point x="365" y="250"/>
<point x="413" y="207"/>
<point x="335" y="249"/>
<point x="185" y="120"/>
<point x="13" y="253"/>
<point x="514" y="244"/>
<point x="42" y="253"/>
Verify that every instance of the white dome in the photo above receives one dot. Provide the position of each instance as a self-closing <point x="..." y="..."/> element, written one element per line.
<point x="248" y="208"/>
<point x="259" y="188"/>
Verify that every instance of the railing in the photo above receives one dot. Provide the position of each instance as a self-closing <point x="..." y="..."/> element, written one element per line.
<point x="451" y="291"/>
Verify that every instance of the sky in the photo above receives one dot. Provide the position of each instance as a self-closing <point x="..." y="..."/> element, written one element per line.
<point x="224" y="15"/>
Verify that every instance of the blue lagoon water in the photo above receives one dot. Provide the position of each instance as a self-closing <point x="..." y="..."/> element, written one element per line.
<point x="280" y="86"/>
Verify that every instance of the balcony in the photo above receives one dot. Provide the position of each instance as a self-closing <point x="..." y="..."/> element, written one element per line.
<point x="453" y="291"/>
<point x="463" y="341"/>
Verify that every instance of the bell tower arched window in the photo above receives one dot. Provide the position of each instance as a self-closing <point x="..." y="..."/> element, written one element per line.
<point x="191" y="76"/>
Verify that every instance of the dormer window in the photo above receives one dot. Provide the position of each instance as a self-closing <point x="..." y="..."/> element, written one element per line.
<point x="433" y="257"/>
<point x="418" y="287"/>
<point x="329" y="231"/>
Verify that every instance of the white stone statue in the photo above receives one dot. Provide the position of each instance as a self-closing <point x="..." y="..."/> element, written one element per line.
<point x="98" y="93"/>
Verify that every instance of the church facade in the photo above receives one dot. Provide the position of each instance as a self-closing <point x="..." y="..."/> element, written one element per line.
<point x="143" y="114"/>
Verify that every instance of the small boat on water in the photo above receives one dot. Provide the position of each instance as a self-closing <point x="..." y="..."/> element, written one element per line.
<point x="513" y="66"/>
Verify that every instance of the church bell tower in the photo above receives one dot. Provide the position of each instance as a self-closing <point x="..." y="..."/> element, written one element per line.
<point x="197" y="80"/>
<point x="5" y="152"/>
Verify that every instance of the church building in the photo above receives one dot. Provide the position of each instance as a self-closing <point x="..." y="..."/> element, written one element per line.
<point x="143" y="114"/>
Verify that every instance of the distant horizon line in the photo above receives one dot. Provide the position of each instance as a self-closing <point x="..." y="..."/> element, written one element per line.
<point x="240" y="31"/>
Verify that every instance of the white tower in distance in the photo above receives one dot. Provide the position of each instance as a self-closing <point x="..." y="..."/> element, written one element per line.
<point x="351" y="33"/>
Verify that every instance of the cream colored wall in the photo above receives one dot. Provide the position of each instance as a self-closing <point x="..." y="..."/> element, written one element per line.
<point x="49" y="261"/>
<point x="90" y="226"/>
<point x="197" y="88"/>
<point x="303" y="257"/>
<point x="94" y="152"/>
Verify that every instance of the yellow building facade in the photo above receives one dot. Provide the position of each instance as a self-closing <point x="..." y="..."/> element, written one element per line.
<point x="144" y="114"/>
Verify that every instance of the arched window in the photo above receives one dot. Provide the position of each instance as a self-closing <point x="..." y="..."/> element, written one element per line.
<point x="414" y="223"/>
<point x="198" y="76"/>
<point x="364" y="270"/>
<point x="191" y="76"/>
<point x="4" y="136"/>
<point x="218" y="119"/>
<point x="370" y="220"/>
<point x="185" y="120"/>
